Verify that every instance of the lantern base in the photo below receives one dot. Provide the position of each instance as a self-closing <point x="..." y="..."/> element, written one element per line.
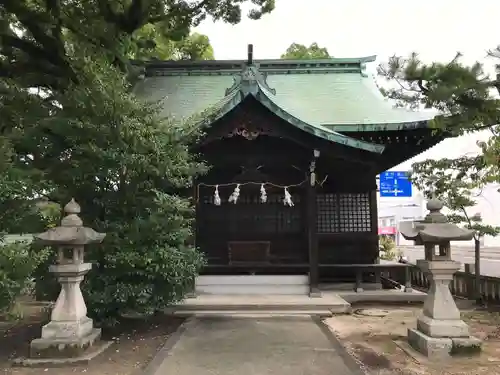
<point x="443" y="347"/>
<point x="68" y="347"/>
<point x="67" y="329"/>
<point x="442" y="328"/>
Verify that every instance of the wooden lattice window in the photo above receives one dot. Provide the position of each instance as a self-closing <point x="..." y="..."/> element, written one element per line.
<point x="327" y="221"/>
<point x="354" y="212"/>
<point x="343" y="213"/>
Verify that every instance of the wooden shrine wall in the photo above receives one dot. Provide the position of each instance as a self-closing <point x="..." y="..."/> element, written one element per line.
<point x="345" y="227"/>
<point x="281" y="154"/>
<point x="347" y="223"/>
<point x="251" y="162"/>
<point x="250" y="220"/>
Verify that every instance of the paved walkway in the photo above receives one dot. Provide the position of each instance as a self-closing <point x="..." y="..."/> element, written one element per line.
<point x="254" y="346"/>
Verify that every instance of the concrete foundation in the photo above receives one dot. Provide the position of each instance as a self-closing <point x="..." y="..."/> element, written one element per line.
<point x="83" y="359"/>
<point x="441" y="348"/>
<point x="70" y="347"/>
<point x="442" y="328"/>
<point x="67" y="329"/>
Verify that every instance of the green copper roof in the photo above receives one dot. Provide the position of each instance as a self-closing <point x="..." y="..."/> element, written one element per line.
<point x="251" y="82"/>
<point x="342" y="102"/>
<point x="323" y="97"/>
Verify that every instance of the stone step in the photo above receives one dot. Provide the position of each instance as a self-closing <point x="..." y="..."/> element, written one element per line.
<point x="291" y="290"/>
<point x="339" y="308"/>
<point x="348" y="287"/>
<point x="252" y="279"/>
<point x="254" y="303"/>
<point x="260" y="313"/>
<point x="252" y="284"/>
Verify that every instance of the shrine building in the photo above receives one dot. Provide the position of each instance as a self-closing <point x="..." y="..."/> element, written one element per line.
<point x="294" y="148"/>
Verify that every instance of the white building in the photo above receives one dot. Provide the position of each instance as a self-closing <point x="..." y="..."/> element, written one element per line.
<point x="393" y="210"/>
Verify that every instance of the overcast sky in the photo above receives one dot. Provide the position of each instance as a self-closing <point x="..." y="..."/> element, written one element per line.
<point x="435" y="28"/>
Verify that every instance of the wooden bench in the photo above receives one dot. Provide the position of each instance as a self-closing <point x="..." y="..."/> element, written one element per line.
<point x="377" y="269"/>
<point x="249" y="252"/>
<point x="261" y="261"/>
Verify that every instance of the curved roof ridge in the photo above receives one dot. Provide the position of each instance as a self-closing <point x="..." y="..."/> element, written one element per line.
<point x="317" y="130"/>
<point x="216" y="67"/>
<point x="260" y="92"/>
<point x="262" y="62"/>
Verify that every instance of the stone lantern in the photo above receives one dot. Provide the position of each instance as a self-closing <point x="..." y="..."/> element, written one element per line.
<point x="440" y="331"/>
<point x="70" y="332"/>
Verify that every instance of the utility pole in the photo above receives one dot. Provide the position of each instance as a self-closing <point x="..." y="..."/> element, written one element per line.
<point x="477" y="261"/>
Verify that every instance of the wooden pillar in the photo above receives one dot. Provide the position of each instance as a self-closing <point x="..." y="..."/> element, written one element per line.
<point x="312" y="240"/>
<point x="196" y="209"/>
<point x="374" y="218"/>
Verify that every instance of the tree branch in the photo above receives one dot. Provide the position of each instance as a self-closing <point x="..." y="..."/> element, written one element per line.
<point x="136" y="16"/>
<point x="133" y="18"/>
<point x="192" y="12"/>
<point x="33" y="22"/>
<point x="27" y="47"/>
<point x="421" y="86"/>
<point x="54" y="9"/>
<point x="47" y="48"/>
<point x="107" y="12"/>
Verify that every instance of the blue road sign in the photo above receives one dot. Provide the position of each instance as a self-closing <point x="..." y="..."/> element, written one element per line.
<point x="395" y="184"/>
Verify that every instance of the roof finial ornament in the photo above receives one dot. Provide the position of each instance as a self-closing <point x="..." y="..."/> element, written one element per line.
<point x="250" y="78"/>
<point x="250" y="55"/>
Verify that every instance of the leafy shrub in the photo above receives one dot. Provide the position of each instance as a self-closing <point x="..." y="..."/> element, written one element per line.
<point x="130" y="169"/>
<point x="387" y="248"/>
<point x="16" y="268"/>
<point x="141" y="267"/>
<point x="46" y="287"/>
<point x="144" y="264"/>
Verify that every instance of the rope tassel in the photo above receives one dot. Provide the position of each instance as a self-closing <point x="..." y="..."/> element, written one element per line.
<point x="235" y="195"/>
<point x="263" y="194"/>
<point x="217" y="201"/>
<point x="287" y="200"/>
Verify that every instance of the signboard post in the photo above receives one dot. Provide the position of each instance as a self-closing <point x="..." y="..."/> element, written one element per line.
<point x="395" y="184"/>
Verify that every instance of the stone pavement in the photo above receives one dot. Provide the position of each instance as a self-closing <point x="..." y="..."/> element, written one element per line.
<point x="253" y="346"/>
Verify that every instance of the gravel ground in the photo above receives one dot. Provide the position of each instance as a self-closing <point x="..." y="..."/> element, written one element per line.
<point x="375" y="337"/>
<point x="135" y="342"/>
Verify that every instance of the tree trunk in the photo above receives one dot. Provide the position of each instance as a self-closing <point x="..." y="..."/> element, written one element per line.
<point x="477" y="270"/>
